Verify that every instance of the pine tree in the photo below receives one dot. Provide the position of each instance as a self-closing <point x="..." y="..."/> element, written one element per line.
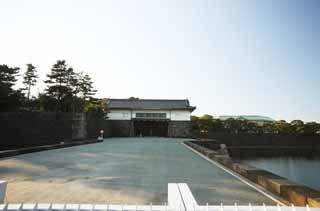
<point x="9" y="97"/>
<point x="30" y="79"/>
<point x="83" y="91"/>
<point x="59" y="83"/>
<point x="86" y="87"/>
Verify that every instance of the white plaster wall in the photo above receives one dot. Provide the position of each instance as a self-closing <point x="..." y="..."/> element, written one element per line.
<point x="150" y="111"/>
<point x="180" y="115"/>
<point x="175" y="115"/>
<point x="119" y="115"/>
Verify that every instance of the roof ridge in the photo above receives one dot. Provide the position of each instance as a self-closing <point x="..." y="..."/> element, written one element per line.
<point x="149" y="99"/>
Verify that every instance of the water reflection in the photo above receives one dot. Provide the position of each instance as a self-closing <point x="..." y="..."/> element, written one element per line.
<point x="304" y="170"/>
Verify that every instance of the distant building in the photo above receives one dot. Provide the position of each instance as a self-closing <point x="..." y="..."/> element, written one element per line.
<point x="259" y="120"/>
<point x="149" y="117"/>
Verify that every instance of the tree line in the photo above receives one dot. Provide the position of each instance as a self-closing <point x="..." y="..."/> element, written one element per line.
<point x="207" y="123"/>
<point x="66" y="90"/>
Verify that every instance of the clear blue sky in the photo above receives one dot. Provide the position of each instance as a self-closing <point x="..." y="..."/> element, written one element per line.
<point x="227" y="57"/>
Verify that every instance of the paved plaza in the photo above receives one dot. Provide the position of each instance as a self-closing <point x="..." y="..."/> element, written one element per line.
<point x="120" y="170"/>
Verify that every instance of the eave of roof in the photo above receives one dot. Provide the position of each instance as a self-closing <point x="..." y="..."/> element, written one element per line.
<point x="150" y="104"/>
<point x="191" y="108"/>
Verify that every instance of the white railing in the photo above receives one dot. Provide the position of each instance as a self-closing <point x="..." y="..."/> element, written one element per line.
<point x="112" y="207"/>
<point x="180" y="198"/>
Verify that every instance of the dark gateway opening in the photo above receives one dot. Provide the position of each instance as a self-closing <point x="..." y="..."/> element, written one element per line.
<point x="151" y="128"/>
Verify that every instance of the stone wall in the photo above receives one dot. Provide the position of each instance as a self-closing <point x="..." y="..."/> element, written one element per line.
<point x="241" y="152"/>
<point x="29" y="129"/>
<point x="125" y="128"/>
<point x="120" y="128"/>
<point x="79" y="126"/>
<point x="245" y="139"/>
<point x="95" y="124"/>
<point x="290" y="192"/>
<point x="25" y="150"/>
<point x="25" y="129"/>
<point x="179" y="129"/>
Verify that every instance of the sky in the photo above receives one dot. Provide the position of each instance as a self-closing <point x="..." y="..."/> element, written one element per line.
<point x="227" y="57"/>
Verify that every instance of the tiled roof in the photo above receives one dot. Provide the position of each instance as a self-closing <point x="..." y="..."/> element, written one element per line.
<point x="149" y="104"/>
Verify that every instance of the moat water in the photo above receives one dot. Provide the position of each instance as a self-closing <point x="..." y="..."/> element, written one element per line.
<point x="298" y="169"/>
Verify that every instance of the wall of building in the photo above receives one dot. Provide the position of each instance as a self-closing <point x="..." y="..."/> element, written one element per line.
<point x="134" y="112"/>
<point x="175" y="115"/>
<point x="125" y="128"/>
<point x="122" y="126"/>
<point x="119" y="115"/>
<point x="182" y="115"/>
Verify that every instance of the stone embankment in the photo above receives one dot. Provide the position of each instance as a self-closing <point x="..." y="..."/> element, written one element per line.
<point x="9" y="153"/>
<point x="290" y="192"/>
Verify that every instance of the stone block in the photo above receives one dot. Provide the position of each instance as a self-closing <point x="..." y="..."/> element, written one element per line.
<point x="219" y="158"/>
<point x="263" y="179"/>
<point x="242" y="169"/>
<point x="213" y="155"/>
<point x="298" y="195"/>
<point x="313" y="201"/>
<point x="179" y="129"/>
<point x="206" y="153"/>
<point x="79" y="126"/>
<point x="274" y="185"/>
<point x="210" y="154"/>
<point x="226" y="162"/>
<point x="260" y="176"/>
